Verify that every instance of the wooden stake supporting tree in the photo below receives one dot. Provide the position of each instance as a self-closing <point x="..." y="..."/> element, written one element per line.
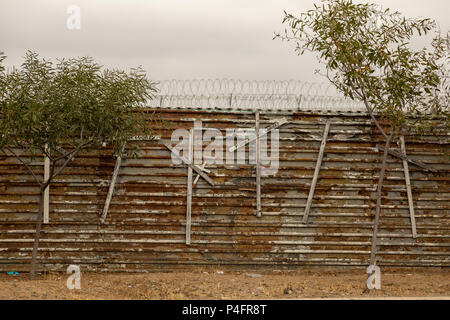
<point x="56" y="111"/>
<point x="367" y="57"/>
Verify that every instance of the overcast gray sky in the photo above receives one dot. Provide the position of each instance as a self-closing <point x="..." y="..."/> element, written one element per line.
<point x="175" y="39"/>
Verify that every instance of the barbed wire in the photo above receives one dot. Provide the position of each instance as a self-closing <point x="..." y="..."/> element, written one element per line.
<point x="251" y="94"/>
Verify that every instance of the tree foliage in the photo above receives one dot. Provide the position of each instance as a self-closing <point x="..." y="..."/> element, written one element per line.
<point x="59" y="109"/>
<point x="369" y="56"/>
<point x="49" y="108"/>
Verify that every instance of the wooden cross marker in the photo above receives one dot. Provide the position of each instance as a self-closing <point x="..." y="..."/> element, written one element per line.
<point x="200" y="170"/>
<point x="316" y="172"/>
<point x="257" y="137"/>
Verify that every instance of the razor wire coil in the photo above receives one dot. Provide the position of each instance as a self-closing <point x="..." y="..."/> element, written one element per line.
<point x="251" y="94"/>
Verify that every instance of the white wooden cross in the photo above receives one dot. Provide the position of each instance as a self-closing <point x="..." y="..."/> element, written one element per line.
<point x="257" y="137"/>
<point x="200" y="170"/>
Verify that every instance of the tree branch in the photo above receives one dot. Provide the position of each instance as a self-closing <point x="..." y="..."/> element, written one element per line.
<point x="370" y="111"/>
<point x="72" y="154"/>
<point x="26" y="165"/>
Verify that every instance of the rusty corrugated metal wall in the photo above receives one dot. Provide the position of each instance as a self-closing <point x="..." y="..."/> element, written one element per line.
<point x="145" y="227"/>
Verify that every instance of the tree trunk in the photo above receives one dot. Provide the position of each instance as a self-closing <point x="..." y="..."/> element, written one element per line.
<point x="377" y="212"/>
<point x="40" y="215"/>
<point x="38" y="233"/>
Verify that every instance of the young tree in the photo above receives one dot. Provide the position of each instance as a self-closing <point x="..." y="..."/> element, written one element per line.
<point x="58" y="110"/>
<point x="368" y="56"/>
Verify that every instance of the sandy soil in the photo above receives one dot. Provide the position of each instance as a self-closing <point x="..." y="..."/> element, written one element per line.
<point x="217" y="284"/>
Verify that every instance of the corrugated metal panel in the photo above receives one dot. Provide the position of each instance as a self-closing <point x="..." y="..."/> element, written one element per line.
<point x="145" y="227"/>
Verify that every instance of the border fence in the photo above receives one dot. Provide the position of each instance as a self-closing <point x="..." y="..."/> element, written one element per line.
<point x="150" y="224"/>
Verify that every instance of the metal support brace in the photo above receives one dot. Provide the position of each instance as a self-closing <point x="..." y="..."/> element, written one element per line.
<point x="258" y="166"/>
<point x="408" y="189"/>
<point x="316" y="172"/>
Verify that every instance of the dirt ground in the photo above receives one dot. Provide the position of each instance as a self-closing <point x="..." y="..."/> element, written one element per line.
<point x="217" y="284"/>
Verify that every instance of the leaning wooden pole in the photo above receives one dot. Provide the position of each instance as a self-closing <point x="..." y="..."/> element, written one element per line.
<point x="111" y="188"/>
<point x="408" y="189"/>
<point x="112" y="185"/>
<point x="316" y="173"/>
